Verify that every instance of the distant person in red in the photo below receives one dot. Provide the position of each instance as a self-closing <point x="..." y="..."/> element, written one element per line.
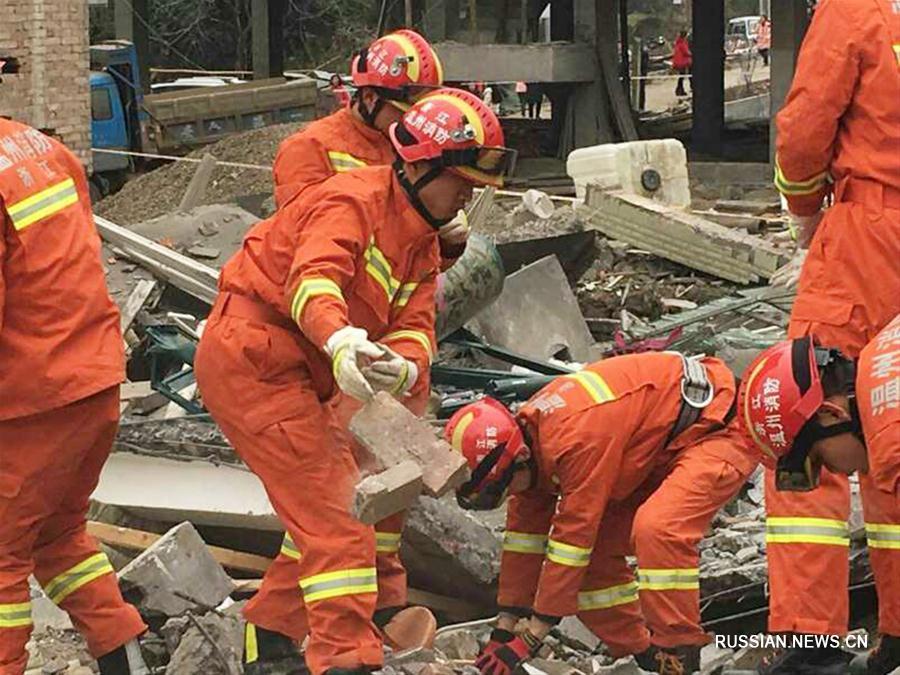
<point x="341" y="95"/>
<point x="682" y="60"/>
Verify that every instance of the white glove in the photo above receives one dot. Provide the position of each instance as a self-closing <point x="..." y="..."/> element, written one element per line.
<point x="392" y="373"/>
<point x="349" y="349"/>
<point x="456" y="232"/>
<point x="804" y="227"/>
<point x="788" y="274"/>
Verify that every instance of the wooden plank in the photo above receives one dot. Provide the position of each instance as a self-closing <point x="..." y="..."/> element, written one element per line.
<point x="135" y="302"/>
<point x="138" y="540"/>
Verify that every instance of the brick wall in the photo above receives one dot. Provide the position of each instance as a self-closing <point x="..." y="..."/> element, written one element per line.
<point x="51" y="91"/>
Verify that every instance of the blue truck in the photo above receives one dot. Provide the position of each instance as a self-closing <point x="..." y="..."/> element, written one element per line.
<point x="125" y="119"/>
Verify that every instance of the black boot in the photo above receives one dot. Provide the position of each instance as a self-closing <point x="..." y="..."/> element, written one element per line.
<point x="882" y="660"/>
<point x="671" y="661"/>
<point x="126" y="660"/>
<point x="817" y="661"/>
<point x="269" y="653"/>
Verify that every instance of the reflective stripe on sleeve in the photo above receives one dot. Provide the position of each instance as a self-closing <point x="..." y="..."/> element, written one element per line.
<point x="43" y="204"/>
<point x="566" y="554"/>
<point x="525" y="542"/>
<point x="404" y="294"/>
<point x="411" y="335"/>
<point x="15" y="615"/>
<point x="594" y="385"/>
<point x="289" y="548"/>
<point x="380" y="270"/>
<point x="344" y="161"/>
<point x="883" y="535"/>
<point x="63" y="585"/>
<point x="611" y="596"/>
<point x="800" y="188"/>
<point x="338" y="584"/>
<point x="387" y="542"/>
<point x="310" y="288"/>
<point x="685" y="579"/>
<point x="251" y="645"/>
<point x="783" y="530"/>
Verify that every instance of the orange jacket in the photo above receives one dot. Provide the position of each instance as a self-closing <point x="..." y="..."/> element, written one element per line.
<point x="841" y="117"/>
<point x="333" y="144"/>
<point x="350" y="251"/>
<point x="60" y="339"/>
<point x="878" y="395"/>
<point x="598" y="437"/>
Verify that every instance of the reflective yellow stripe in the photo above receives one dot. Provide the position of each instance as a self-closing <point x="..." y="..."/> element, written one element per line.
<point x="405" y="293"/>
<point x="897" y="53"/>
<point x="380" y="269"/>
<point x="566" y="554"/>
<point x="63" y="585"/>
<point x="251" y="646"/>
<point x="594" y="385"/>
<point x="669" y="579"/>
<point x="799" y="188"/>
<point x="309" y="288"/>
<point x="611" y="596"/>
<point x="883" y="535"/>
<point x="337" y="584"/>
<point x="387" y="542"/>
<point x="459" y="432"/>
<point x="15" y="615"/>
<point x="524" y="542"/>
<point x="43" y="204"/>
<point x="783" y="530"/>
<point x="413" y="335"/>
<point x="344" y="161"/>
<point x="289" y="548"/>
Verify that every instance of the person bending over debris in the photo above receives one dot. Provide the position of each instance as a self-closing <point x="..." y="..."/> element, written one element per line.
<point x="389" y="76"/>
<point x="632" y="455"/>
<point x="61" y="362"/>
<point x="838" y="134"/>
<point x="336" y="295"/>
<point x="807" y="407"/>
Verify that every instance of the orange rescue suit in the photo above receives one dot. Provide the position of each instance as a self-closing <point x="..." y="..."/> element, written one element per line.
<point x="61" y="362"/>
<point x="609" y="486"/>
<point x="335" y="144"/>
<point x="838" y="133"/>
<point x="349" y="251"/>
<point x="878" y="397"/>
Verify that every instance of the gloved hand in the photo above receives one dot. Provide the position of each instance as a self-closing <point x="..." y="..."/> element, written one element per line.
<point x="804" y="227"/>
<point x="349" y="348"/>
<point x="788" y="274"/>
<point x="504" y="653"/>
<point x="456" y="232"/>
<point x="391" y="373"/>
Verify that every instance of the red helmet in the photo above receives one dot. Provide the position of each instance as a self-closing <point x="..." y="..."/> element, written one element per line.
<point x="778" y="401"/>
<point x="400" y="65"/>
<point x="490" y="439"/>
<point x="456" y="128"/>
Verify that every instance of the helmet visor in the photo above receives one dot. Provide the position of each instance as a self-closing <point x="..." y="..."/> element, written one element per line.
<point x="488" y="165"/>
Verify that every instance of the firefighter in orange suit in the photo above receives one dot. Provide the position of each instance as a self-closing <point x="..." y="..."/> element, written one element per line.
<point x="631" y="456"/>
<point x="336" y="295"/>
<point x="389" y="76"/>
<point x="809" y="407"/>
<point x="61" y="363"/>
<point x="838" y="139"/>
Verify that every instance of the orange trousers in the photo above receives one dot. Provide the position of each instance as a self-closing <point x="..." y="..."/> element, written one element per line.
<point x="663" y="530"/>
<point x="49" y="466"/>
<point x="846" y="294"/>
<point x="325" y="581"/>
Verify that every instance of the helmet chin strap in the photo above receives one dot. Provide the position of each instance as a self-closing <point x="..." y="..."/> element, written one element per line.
<point x="412" y="192"/>
<point x="367" y="115"/>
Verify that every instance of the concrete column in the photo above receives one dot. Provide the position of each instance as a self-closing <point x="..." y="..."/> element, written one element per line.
<point x="434" y="23"/>
<point x="268" y="37"/>
<point x="591" y="107"/>
<point x="562" y="20"/>
<point x="128" y="26"/>
<point x="708" y="82"/>
<point x="789" y="23"/>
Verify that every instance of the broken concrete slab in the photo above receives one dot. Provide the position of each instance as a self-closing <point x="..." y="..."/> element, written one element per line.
<point x="210" y="644"/>
<point x="537" y="315"/>
<point x="458" y="644"/>
<point x="388" y="492"/>
<point x="392" y="434"/>
<point x="196" y="189"/>
<point x="573" y="629"/>
<point x="204" y="252"/>
<point x="175" y="575"/>
<point x="682" y="237"/>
